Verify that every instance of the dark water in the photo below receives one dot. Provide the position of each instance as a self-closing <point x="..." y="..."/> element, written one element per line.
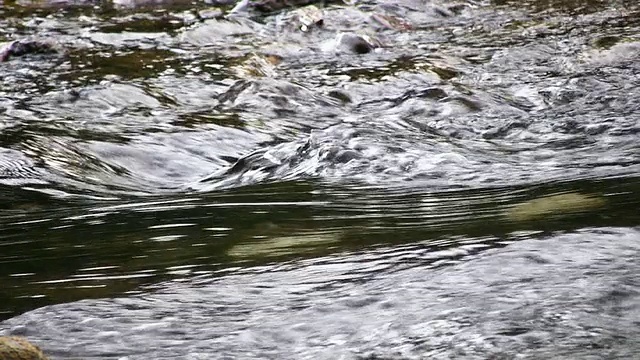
<point x="180" y="180"/>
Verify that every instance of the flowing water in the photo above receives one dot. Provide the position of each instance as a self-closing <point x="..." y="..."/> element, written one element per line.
<point x="401" y="180"/>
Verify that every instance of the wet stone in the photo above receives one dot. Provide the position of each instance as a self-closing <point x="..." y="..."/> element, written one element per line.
<point x="19" y="348"/>
<point x="25" y="47"/>
<point x="355" y="43"/>
<point x="257" y="65"/>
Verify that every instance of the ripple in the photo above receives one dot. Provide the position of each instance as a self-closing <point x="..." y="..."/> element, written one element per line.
<point x="402" y="180"/>
<point x="389" y="302"/>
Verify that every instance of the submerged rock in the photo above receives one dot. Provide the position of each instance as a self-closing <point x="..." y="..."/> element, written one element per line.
<point x="257" y="65"/>
<point x="24" y="47"/>
<point x="557" y="205"/>
<point x="283" y="246"/>
<point x="19" y="348"/>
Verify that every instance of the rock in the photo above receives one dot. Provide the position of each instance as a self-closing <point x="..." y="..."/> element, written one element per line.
<point x="277" y="246"/>
<point x="24" y="47"/>
<point x="355" y="43"/>
<point x="555" y="206"/>
<point x="257" y="65"/>
<point x="18" y="348"/>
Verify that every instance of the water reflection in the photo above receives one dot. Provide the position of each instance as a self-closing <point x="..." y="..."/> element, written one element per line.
<point x="48" y="247"/>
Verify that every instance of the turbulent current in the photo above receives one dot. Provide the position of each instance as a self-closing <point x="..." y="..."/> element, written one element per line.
<point x="321" y="180"/>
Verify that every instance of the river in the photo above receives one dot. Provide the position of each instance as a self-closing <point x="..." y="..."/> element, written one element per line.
<point x="347" y="180"/>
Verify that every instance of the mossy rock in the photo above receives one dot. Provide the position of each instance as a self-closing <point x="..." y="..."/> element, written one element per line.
<point x="19" y="348"/>
<point x="283" y="246"/>
<point x="558" y="205"/>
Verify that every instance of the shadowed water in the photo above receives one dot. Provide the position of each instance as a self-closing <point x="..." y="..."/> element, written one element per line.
<point x="406" y="179"/>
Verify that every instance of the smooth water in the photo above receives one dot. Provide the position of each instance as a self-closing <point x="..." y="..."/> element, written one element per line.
<point x="194" y="181"/>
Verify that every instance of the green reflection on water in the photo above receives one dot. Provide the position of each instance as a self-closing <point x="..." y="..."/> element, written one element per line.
<point x="52" y="253"/>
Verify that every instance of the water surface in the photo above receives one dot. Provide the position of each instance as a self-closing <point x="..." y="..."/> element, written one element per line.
<point x="184" y="181"/>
